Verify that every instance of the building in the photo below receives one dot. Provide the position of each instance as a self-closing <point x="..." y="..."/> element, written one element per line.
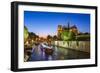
<point x="69" y="28"/>
<point x="59" y="31"/>
<point x="74" y="29"/>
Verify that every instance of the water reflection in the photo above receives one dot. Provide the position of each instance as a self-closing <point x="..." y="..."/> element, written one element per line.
<point x="56" y="53"/>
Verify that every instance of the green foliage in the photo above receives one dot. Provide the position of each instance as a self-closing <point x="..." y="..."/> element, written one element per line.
<point x="26" y="34"/>
<point x="83" y="37"/>
<point x="72" y="35"/>
<point x="64" y="35"/>
<point x="67" y="35"/>
<point x="32" y="35"/>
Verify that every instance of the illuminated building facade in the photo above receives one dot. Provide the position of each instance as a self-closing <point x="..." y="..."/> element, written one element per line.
<point x="61" y="28"/>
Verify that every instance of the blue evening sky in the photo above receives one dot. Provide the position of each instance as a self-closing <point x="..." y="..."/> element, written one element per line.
<point x="45" y="23"/>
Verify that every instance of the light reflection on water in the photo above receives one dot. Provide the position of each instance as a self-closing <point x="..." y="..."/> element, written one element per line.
<point x="59" y="53"/>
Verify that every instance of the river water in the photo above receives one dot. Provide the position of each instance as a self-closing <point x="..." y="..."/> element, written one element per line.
<point x="59" y="53"/>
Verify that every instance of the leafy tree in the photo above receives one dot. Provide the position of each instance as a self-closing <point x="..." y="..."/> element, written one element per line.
<point x="67" y="35"/>
<point x="49" y="37"/>
<point x="32" y="35"/>
<point x="64" y="35"/>
<point x="55" y="37"/>
<point x="71" y="35"/>
<point x="26" y="34"/>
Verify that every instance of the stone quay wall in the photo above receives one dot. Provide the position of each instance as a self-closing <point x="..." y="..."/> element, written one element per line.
<point x="76" y="45"/>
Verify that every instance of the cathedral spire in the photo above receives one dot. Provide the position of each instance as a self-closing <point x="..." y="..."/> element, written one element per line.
<point x="68" y="26"/>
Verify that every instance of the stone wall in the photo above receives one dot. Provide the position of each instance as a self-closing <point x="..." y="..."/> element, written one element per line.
<point x="77" y="45"/>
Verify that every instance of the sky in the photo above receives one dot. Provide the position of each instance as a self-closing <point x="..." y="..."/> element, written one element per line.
<point x="45" y="23"/>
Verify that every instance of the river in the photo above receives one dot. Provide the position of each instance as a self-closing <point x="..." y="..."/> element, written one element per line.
<point x="59" y="53"/>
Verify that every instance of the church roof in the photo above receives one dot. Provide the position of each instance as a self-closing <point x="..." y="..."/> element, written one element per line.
<point x="74" y="26"/>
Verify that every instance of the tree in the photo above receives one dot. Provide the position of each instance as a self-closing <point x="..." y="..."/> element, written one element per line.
<point x="26" y="34"/>
<point x="64" y="35"/>
<point x="32" y="35"/>
<point x="67" y="35"/>
<point x="55" y="37"/>
<point x="49" y="37"/>
<point x="71" y="35"/>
